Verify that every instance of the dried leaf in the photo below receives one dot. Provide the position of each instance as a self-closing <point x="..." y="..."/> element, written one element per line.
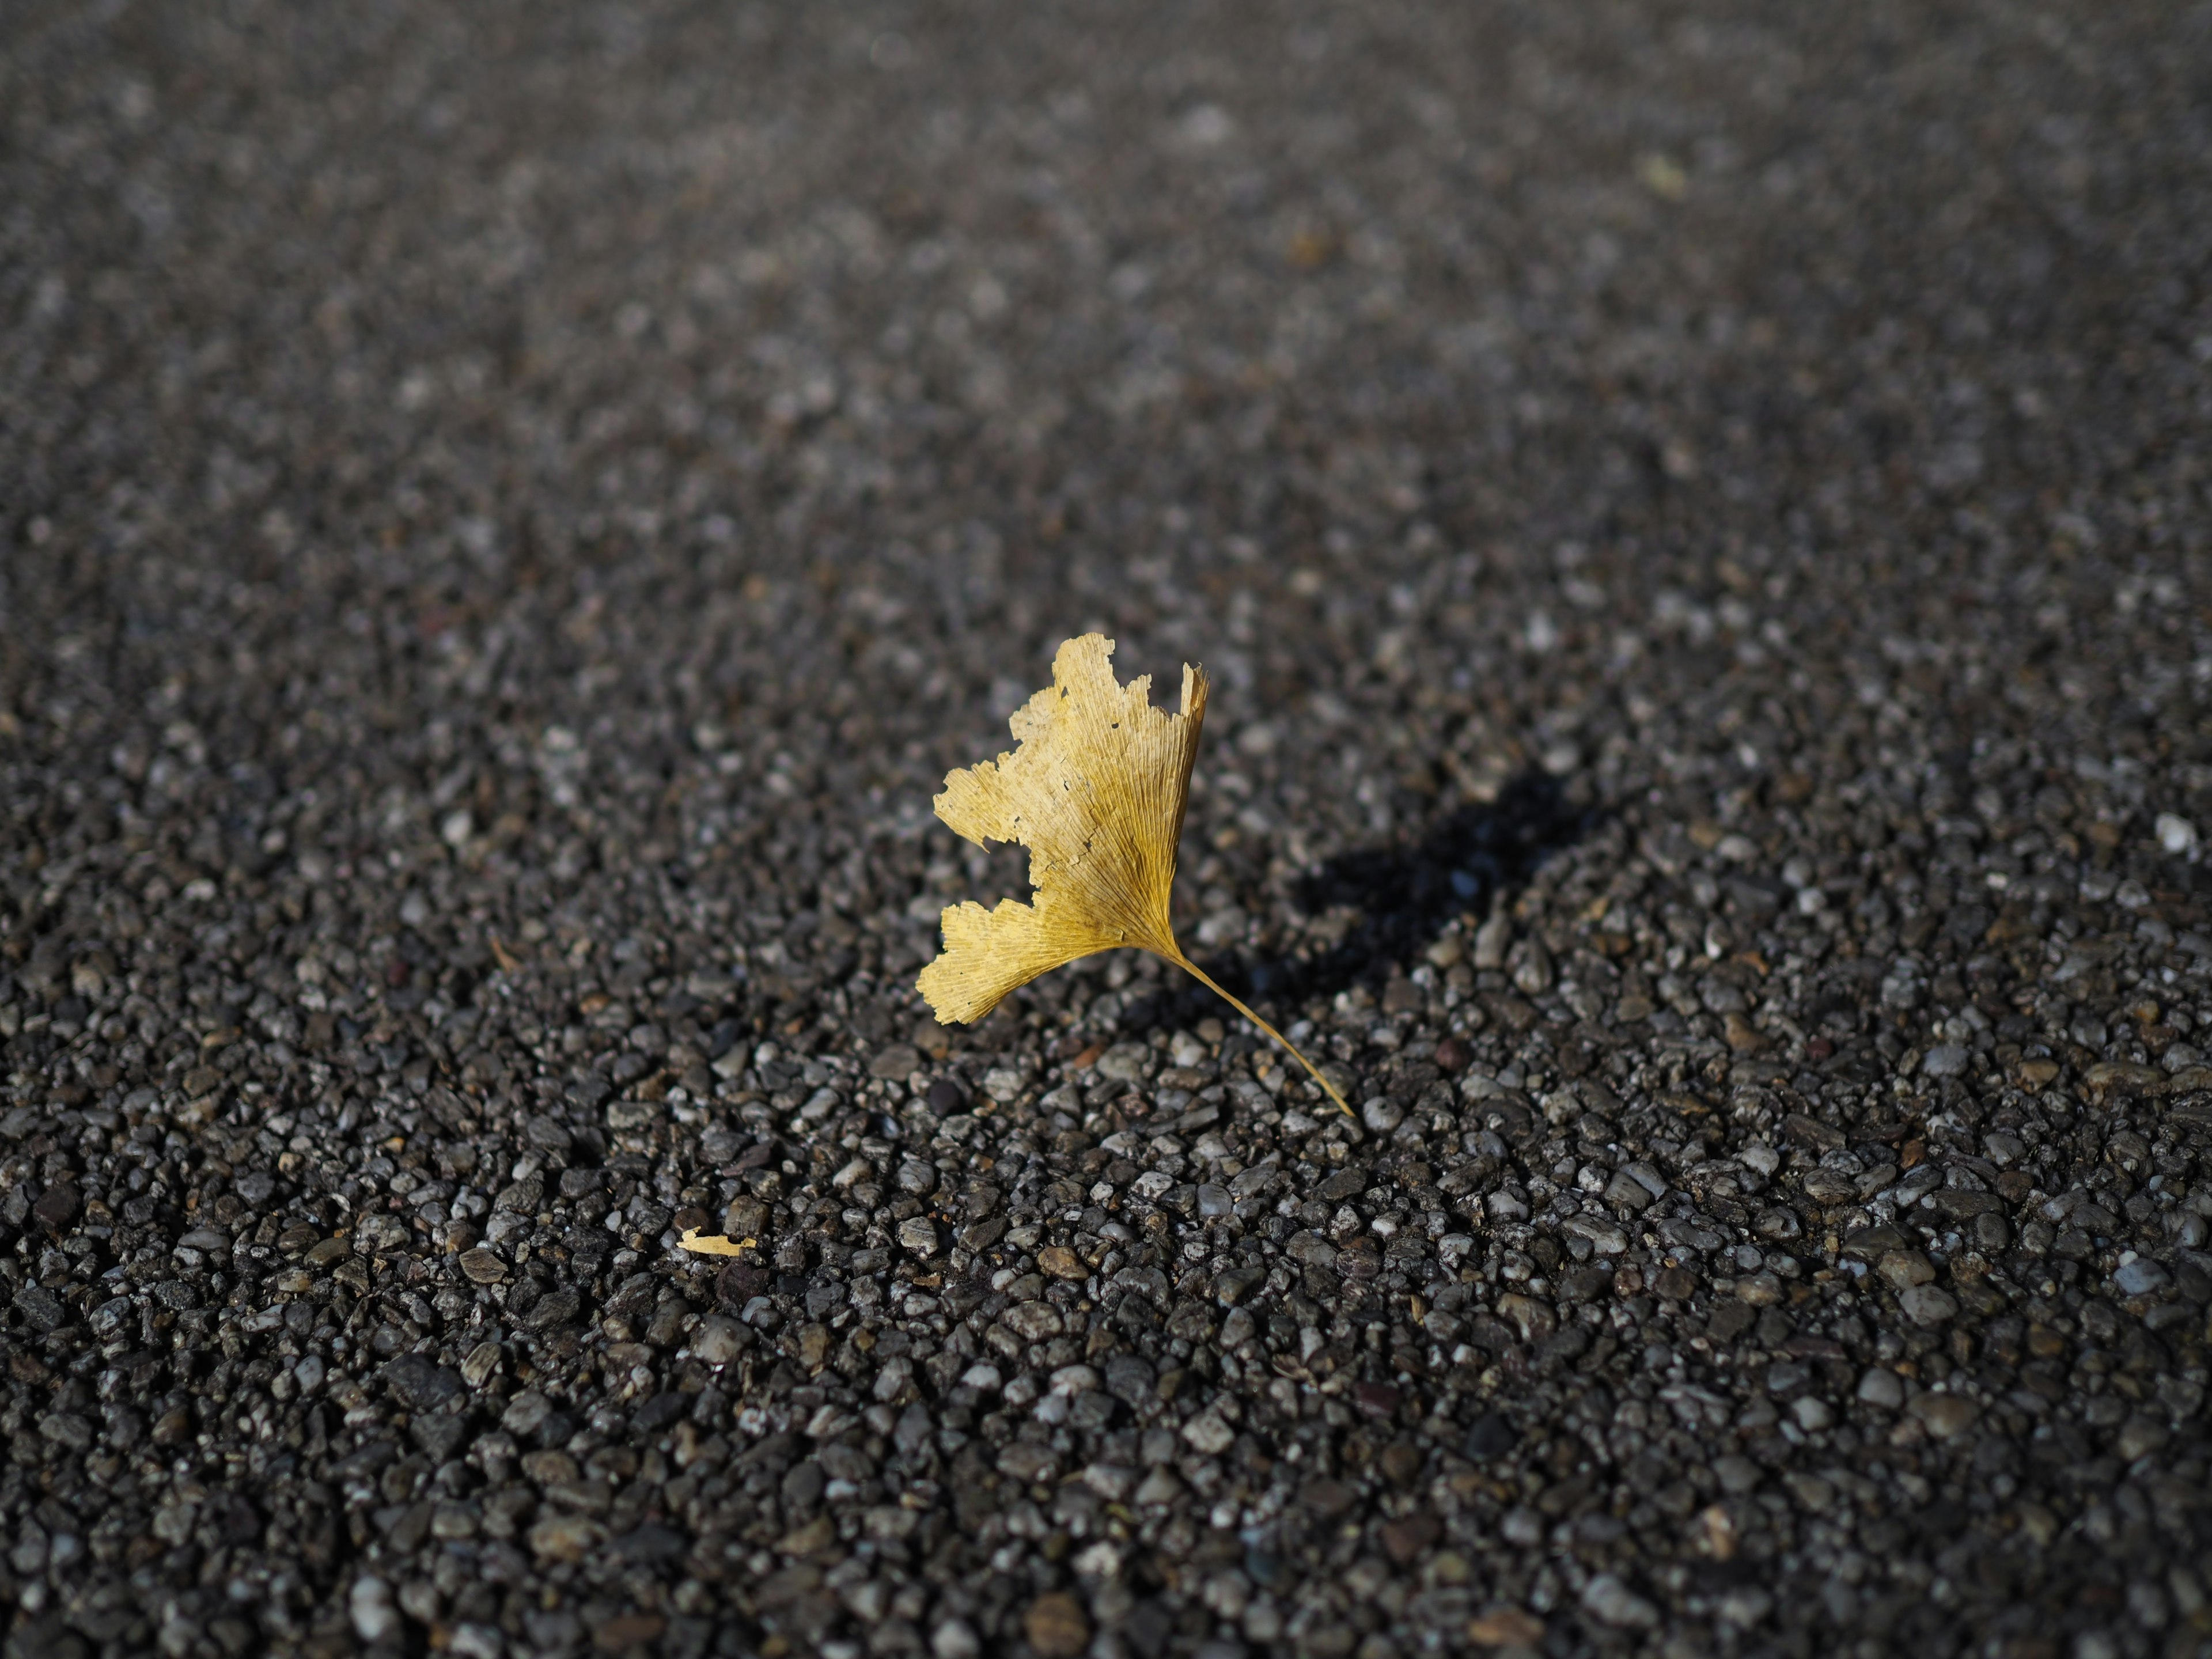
<point x="1094" y="789"/>
<point x="711" y="1244"/>
<point x="1505" y="1627"/>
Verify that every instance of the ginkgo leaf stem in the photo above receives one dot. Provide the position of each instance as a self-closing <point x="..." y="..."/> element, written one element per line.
<point x="1208" y="980"/>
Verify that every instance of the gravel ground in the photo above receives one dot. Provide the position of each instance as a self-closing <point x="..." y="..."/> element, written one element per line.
<point x="1699" y="523"/>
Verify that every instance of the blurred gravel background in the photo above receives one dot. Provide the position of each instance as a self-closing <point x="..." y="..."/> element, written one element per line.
<point x="1698" y="518"/>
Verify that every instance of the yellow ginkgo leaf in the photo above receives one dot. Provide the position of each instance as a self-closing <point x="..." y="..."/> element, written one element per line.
<point x="1094" y="789"/>
<point x="711" y="1244"/>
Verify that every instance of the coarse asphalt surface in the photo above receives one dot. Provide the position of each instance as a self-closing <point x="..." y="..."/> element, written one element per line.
<point x="1698" y="518"/>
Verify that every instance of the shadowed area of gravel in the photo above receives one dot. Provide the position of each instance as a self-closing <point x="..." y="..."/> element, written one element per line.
<point x="1698" y="522"/>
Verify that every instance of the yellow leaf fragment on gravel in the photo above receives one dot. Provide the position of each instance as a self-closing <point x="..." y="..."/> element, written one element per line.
<point x="1505" y="1627"/>
<point x="711" y="1244"/>
<point x="1094" y="789"/>
<point x="1096" y="792"/>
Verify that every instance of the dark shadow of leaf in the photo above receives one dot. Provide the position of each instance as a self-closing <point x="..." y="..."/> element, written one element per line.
<point x="1406" y="894"/>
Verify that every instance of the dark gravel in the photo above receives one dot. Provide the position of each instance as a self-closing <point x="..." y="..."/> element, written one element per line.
<point x="1699" y="523"/>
